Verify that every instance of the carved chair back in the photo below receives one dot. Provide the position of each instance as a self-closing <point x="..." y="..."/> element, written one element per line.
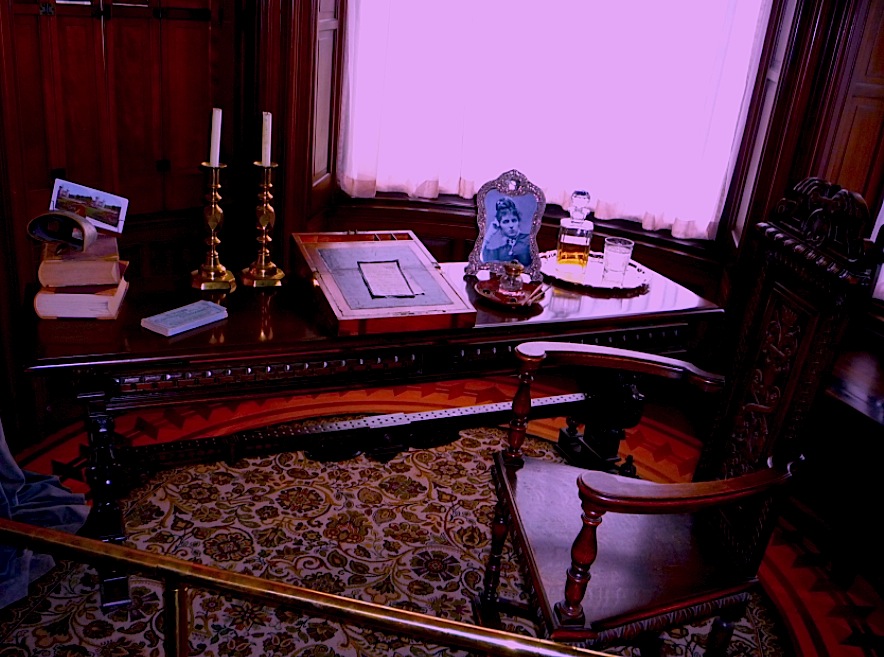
<point x="808" y="270"/>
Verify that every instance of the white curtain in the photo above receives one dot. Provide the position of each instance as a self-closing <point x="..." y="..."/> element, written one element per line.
<point x="639" y="102"/>
<point x="878" y="291"/>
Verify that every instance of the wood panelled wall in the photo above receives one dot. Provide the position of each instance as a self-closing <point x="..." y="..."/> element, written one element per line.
<point x="101" y="98"/>
<point x="118" y="96"/>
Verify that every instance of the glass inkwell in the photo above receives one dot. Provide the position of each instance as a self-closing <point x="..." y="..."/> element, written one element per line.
<point x="510" y="282"/>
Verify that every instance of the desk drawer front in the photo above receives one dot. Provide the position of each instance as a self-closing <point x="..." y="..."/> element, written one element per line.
<point x="278" y="372"/>
<point x="201" y="381"/>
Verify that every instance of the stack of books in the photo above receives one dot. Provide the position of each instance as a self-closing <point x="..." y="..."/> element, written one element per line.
<point x="81" y="284"/>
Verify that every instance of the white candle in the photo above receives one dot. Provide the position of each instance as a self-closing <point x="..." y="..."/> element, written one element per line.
<point x="215" y="144"/>
<point x="265" y="140"/>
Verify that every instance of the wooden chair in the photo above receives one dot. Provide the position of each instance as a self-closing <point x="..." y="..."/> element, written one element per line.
<point x="612" y="560"/>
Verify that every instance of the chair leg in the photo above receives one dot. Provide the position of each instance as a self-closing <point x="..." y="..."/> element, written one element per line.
<point x="720" y="635"/>
<point x="489" y="613"/>
<point x="521" y="409"/>
<point x="583" y="553"/>
<point x="650" y="645"/>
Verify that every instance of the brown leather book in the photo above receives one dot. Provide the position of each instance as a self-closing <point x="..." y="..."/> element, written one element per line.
<point x="63" y="267"/>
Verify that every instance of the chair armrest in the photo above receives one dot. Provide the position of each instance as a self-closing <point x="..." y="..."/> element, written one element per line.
<point x="609" y="492"/>
<point x="620" y="359"/>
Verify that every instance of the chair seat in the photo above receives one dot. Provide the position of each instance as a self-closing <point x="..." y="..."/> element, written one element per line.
<point x="626" y="584"/>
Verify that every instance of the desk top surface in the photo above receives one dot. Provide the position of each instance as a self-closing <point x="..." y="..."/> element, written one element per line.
<point x="858" y="381"/>
<point x="288" y="320"/>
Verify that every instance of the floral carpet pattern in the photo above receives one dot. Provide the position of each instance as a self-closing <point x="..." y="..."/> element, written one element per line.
<point x="62" y="618"/>
<point x="411" y="533"/>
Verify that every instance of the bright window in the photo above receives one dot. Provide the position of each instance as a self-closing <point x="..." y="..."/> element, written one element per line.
<point x="640" y="102"/>
<point x="878" y="291"/>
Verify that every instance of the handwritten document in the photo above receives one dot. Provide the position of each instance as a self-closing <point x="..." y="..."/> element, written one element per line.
<point x="386" y="279"/>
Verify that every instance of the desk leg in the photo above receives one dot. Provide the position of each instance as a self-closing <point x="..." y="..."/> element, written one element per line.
<point x="613" y="404"/>
<point x="104" y="474"/>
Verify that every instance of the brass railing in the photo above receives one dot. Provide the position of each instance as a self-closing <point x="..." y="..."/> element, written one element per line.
<point x="179" y="576"/>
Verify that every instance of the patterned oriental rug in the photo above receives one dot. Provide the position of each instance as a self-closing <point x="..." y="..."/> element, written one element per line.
<point x="411" y="533"/>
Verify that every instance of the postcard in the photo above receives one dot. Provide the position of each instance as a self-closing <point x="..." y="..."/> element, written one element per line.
<point x="104" y="211"/>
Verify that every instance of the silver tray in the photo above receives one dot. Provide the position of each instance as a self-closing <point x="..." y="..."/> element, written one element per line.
<point x="636" y="281"/>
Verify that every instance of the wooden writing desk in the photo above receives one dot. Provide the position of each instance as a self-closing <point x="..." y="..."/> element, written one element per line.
<point x="273" y="341"/>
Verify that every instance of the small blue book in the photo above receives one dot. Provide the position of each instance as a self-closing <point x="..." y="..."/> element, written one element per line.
<point x="185" y="318"/>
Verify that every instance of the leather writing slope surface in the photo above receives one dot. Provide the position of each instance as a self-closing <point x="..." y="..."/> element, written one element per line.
<point x="336" y="263"/>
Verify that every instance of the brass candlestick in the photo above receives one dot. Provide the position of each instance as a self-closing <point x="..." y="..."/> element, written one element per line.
<point x="263" y="273"/>
<point x="212" y="275"/>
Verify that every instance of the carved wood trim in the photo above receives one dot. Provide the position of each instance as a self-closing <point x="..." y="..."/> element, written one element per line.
<point x="822" y="221"/>
<point x="132" y="389"/>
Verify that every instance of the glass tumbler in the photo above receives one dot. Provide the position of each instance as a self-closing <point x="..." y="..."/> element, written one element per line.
<point x="618" y="252"/>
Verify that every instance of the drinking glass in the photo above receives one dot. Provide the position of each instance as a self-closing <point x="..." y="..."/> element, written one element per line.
<point x="618" y="252"/>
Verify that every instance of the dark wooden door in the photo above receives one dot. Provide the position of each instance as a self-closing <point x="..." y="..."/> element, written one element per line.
<point x="853" y="154"/>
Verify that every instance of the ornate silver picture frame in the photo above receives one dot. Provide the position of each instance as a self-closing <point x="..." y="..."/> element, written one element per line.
<point x="509" y="213"/>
